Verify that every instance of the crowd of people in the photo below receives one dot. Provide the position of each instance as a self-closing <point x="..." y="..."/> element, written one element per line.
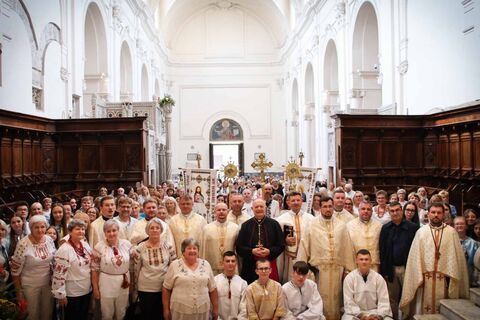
<point x="150" y="253"/>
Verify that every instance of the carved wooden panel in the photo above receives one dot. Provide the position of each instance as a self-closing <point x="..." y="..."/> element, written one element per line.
<point x="112" y="158"/>
<point x="6" y="157"/>
<point x="476" y="153"/>
<point x="27" y="157"/>
<point x="454" y="152"/>
<point x="89" y="158"/>
<point x="17" y="157"/>
<point x="466" y="152"/>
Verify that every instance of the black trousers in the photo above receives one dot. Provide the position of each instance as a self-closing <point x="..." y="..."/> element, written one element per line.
<point x="151" y="305"/>
<point x="77" y="307"/>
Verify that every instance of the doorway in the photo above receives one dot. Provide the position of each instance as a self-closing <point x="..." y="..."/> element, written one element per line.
<point x="222" y="154"/>
<point x="226" y="145"/>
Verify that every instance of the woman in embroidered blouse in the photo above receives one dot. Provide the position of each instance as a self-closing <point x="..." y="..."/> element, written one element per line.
<point x="110" y="272"/>
<point x="31" y="267"/>
<point x="151" y="263"/>
<point x="189" y="287"/>
<point x="71" y="283"/>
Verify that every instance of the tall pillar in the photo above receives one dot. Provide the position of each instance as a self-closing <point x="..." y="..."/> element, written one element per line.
<point x="161" y="163"/>
<point x="168" y="150"/>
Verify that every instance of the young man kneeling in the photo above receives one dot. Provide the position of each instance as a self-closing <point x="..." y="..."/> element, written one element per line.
<point x="301" y="295"/>
<point x="365" y="293"/>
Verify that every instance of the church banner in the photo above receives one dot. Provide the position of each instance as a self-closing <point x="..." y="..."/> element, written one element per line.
<point x="201" y="184"/>
<point x="303" y="183"/>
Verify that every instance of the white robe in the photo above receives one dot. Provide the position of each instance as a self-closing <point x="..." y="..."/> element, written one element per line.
<point x="235" y="307"/>
<point x="369" y="298"/>
<point x="303" y="303"/>
<point x="286" y="260"/>
<point x="95" y="232"/>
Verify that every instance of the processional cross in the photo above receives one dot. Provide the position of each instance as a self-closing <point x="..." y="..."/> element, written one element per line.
<point x="261" y="164"/>
<point x="199" y="158"/>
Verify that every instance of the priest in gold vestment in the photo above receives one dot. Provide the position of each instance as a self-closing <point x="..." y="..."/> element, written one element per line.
<point x="327" y="247"/>
<point x="186" y="224"/>
<point x="218" y="237"/>
<point x="298" y="222"/>
<point x="436" y="267"/>
<point x="365" y="233"/>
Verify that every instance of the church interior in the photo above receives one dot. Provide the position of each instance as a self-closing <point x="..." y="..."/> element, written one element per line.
<point x="384" y="95"/>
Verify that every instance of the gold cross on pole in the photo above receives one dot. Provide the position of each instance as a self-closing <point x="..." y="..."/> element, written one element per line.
<point x="199" y="158"/>
<point x="261" y="164"/>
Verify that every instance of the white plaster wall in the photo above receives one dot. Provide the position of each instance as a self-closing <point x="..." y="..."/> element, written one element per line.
<point x="443" y="63"/>
<point x="16" y="88"/>
<point x="248" y="95"/>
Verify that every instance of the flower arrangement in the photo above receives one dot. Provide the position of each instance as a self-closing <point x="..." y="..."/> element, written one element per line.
<point x="166" y="101"/>
<point x="9" y="310"/>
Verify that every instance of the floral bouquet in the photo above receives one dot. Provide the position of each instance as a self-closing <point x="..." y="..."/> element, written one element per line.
<point x="166" y="101"/>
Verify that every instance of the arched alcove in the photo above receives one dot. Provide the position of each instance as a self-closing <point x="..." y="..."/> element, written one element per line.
<point x="366" y="84"/>
<point x="126" y="83"/>
<point x="330" y="76"/>
<point x="95" y="58"/>
<point x="226" y="144"/>
<point x="145" y="89"/>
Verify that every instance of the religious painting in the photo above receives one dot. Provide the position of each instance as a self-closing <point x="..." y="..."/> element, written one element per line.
<point x="303" y="182"/>
<point x="201" y="185"/>
<point x="226" y="130"/>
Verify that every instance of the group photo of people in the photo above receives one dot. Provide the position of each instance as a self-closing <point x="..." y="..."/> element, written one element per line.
<point x="146" y="253"/>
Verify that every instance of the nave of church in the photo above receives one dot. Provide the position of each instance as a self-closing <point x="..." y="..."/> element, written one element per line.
<point x="209" y="98"/>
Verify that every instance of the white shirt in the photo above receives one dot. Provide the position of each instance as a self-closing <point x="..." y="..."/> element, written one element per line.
<point x="384" y="219"/>
<point x="126" y="228"/>
<point x="303" y="303"/>
<point x="248" y="208"/>
<point x="369" y="298"/>
<point x="33" y="262"/>
<point x="235" y="307"/>
<point x="71" y="274"/>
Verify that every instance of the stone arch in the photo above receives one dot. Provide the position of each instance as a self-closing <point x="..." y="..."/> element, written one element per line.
<point x="366" y="69"/>
<point x="96" y="81"/>
<point x="145" y="84"/>
<point x="330" y="75"/>
<point x="309" y="85"/>
<point x="50" y="33"/>
<point x="126" y="82"/>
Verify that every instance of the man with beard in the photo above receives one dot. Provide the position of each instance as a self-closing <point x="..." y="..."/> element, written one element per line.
<point x="436" y="267"/>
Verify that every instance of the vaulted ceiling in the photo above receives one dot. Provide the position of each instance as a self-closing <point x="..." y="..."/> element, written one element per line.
<point x="173" y="14"/>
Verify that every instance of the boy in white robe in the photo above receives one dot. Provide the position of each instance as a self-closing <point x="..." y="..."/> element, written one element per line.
<point x="365" y="292"/>
<point x="231" y="290"/>
<point x="302" y="299"/>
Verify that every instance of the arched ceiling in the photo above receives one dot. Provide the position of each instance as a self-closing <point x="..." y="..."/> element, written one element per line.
<point x="273" y="13"/>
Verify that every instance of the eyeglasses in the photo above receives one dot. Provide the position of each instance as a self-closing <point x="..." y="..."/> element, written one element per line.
<point x="263" y="269"/>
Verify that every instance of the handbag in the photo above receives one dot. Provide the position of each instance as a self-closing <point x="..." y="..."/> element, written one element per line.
<point x="133" y="311"/>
